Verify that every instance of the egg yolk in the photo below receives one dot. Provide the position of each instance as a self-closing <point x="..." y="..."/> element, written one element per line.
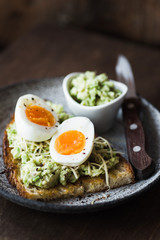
<point x="70" y="142"/>
<point x="40" y="116"/>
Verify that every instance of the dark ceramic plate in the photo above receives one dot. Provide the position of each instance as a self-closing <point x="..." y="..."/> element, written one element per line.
<point x="51" y="89"/>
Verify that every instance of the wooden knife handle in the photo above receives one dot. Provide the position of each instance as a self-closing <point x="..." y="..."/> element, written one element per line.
<point x="141" y="162"/>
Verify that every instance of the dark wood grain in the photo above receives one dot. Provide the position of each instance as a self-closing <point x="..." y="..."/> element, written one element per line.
<point x="135" y="137"/>
<point x="48" y="52"/>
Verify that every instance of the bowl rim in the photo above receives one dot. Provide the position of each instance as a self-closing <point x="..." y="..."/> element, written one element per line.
<point x="121" y="86"/>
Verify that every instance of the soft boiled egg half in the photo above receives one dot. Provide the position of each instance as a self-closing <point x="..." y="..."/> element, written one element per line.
<point x="35" y="120"/>
<point x="72" y="144"/>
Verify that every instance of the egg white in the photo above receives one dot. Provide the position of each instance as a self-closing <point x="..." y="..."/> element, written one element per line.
<point x="27" y="129"/>
<point x="83" y="125"/>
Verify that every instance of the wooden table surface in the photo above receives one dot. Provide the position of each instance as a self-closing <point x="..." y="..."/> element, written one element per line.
<point x="48" y="52"/>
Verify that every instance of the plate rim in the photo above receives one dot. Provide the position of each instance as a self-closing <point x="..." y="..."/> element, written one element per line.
<point x="59" y="208"/>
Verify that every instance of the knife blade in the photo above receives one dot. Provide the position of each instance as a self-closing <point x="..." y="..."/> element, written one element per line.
<point x="135" y="137"/>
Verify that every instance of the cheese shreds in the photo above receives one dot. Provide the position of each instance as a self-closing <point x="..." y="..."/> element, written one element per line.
<point x="74" y="172"/>
<point x="106" y="172"/>
<point x="40" y="167"/>
<point x="89" y="168"/>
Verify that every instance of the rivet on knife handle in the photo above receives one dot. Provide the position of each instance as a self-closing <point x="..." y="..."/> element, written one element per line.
<point x="138" y="157"/>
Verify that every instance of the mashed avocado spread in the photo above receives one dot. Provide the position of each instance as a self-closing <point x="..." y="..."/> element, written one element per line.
<point x="90" y="89"/>
<point x="37" y="168"/>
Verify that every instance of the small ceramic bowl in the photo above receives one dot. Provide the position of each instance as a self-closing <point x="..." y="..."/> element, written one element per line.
<point x="103" y="116"/>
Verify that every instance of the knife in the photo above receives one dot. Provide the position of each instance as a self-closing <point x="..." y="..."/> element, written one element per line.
<point x="143" y="164"/>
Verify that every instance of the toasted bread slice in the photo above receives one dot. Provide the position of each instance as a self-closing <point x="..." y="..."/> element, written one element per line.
<point x="121" y="174"/>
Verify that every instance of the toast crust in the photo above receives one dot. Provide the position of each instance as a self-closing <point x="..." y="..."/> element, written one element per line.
<point x="121" y="174"/>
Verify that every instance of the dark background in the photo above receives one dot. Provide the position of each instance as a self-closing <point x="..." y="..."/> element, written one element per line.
<point x="137" y="20"/>
<point x="47" y="38"/>
<point x="134" y="22"/>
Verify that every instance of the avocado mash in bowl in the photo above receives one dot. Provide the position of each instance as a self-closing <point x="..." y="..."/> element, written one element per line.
<point x="94" y="96"/>
<point x="90" y="89"/>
